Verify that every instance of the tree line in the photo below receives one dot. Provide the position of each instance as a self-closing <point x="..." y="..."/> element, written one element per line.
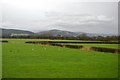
<point x="60" y="37"/>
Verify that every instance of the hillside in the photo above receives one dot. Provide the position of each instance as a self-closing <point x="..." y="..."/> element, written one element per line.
<point x="8" y="32"/>
<point x="56" y="32"/>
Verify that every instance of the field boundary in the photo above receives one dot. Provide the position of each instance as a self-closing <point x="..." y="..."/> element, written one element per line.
<point x="61" y="44"/>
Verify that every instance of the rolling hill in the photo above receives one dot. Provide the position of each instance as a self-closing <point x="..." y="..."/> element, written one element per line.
<point x="56" y="32"/>
<point x="53" y="32"/>
<point x="8" y="32"/>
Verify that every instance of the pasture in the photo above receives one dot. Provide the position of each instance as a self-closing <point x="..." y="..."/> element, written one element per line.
<point x="114" y="46"/>
<point x="21" y="60"/>
<point x="0" y="60"/>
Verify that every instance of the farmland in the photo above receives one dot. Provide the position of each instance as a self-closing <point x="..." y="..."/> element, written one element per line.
<point x="114" y="46"/>
<point x="0" y="60"/>
<point x="21" y="60"/>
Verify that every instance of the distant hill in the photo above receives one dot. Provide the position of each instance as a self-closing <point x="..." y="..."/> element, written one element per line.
<point x="8" y="32"/>
<point x="56" y="32"/>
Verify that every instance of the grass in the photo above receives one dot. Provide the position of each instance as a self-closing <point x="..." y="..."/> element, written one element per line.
<point x="114" y="46"/>
<point x="0" y="60"/>
<point x="53" y="40"/>
<point x="22" y="60"/>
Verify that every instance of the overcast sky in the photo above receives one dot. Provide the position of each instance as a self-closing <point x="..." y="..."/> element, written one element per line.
<point x="71" y="15"/>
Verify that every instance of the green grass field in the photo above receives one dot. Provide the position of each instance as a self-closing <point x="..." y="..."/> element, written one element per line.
<point x="0" y="60"/>
<point x="114" y="46"/>
<point x="22" y="60"/>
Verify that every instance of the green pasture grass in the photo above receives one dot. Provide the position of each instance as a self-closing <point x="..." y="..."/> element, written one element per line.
<point x="22" y="60"/>
<point x="50" y="40"/>
<point x="0" y="60"/>
<point x="115" y="46"/>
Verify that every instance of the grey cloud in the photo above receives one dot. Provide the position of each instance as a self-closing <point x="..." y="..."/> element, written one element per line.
<point x="78" y="22"/>
<point x="90" y="17"/>
<point x="76" y="19"/>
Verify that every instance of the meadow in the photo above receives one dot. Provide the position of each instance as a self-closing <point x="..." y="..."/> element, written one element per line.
<point x="21" y="60"/>
<point x="0" y="60"/>
<point x="114" y="46"/>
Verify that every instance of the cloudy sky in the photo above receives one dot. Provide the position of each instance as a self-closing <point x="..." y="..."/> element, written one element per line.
<point x="71" y="15"/>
